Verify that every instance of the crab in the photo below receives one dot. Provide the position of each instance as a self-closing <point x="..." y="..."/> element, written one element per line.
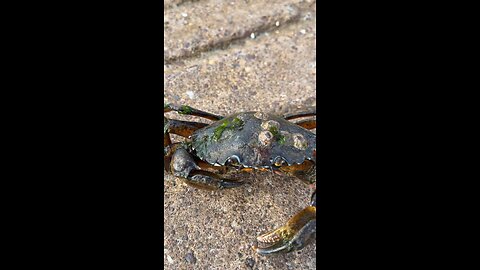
<point x="247" y="142"/>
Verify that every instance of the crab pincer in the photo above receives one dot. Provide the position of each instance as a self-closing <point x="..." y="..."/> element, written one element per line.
<point x="297" y="233"/>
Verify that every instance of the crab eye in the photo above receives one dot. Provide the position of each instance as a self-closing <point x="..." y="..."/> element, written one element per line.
<point x="233" y="161"/>
<point x="279" y="162"/>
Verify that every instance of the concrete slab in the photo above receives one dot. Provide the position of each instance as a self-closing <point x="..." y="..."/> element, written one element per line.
<point x="226" y="57"/>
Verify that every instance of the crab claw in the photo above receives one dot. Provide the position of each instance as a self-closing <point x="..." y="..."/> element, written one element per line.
<point x="294" y="235"/>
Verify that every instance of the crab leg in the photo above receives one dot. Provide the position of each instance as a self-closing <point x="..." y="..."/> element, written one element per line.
<point x="307" y="171"/>
<point x="187" y="110"/>
<point x="301" y="228"/>
<point x="308" y="124"/>
<point x="182" y="128"/>
<point x="294" y="235"/>
<point x="291" y="116"/>
<point x="209" y="181"/>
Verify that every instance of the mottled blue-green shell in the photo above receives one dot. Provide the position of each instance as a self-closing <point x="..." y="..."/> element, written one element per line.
<point x="255" y="139"/>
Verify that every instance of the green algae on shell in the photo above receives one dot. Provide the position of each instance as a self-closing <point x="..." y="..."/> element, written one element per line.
<point x="226" y="125"/>
<point x="277" y="135"/>
<point x="185" y="110"/>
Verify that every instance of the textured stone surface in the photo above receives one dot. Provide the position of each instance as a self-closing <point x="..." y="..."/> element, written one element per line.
<point x="226" y="57"/>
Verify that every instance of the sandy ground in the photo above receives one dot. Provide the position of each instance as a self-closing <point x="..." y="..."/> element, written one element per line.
<point x="226" y="57"/>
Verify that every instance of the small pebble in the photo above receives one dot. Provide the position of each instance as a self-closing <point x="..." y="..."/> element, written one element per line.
<point x="250" y="262"/>
<point x="252" y="36"/>
<point x="169" y="259"/>
<point x="191" y="94"/>
<point x="191" y="258"/>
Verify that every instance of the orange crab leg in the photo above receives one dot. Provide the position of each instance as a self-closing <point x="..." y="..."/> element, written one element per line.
<point x="300" y="114"/>
<point x="305" y="171"/>
<point x="182" y="128"/>
<point x="308" y="124"/>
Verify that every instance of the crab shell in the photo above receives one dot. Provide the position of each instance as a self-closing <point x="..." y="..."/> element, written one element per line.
<point x="254" y="139"/>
